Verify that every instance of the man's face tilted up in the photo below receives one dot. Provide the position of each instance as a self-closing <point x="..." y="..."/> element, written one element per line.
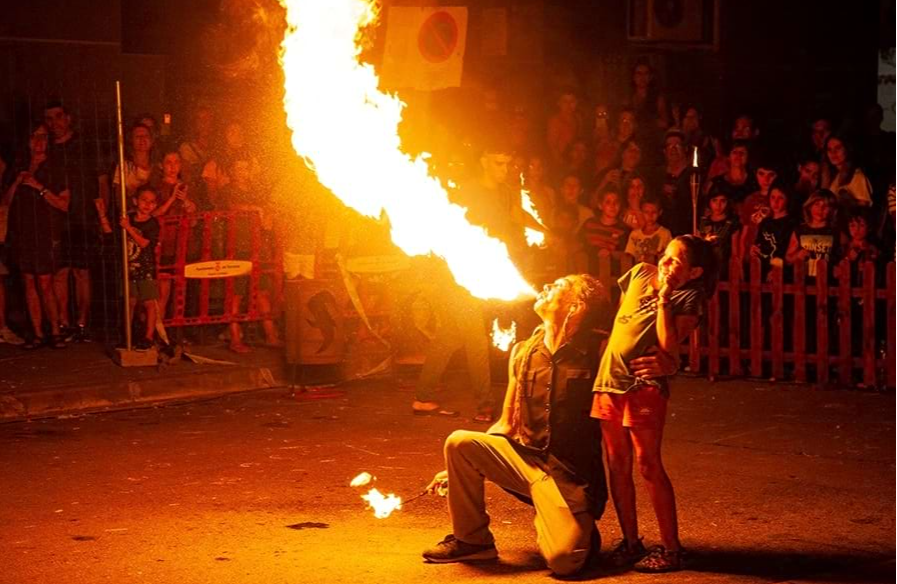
<point x="553" y="300"/>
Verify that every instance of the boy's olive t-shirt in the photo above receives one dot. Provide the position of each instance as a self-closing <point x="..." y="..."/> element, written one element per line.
<point x="635" y="327"/>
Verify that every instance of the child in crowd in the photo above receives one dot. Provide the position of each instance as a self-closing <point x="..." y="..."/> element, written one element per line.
<point x="647" y="243"/>
<point x="719" y="225"/>
<point x="143" y="234"/>
<point x="755" y="208"/>
<point x="605" y="233"/>
<point x="774" y="232"/>
<point x="571" y="191"/>
<point x="816" y="238"/>
<point x="635" y="191"/>
<point x="858" y="248"/>
<point x="659" y="308"/>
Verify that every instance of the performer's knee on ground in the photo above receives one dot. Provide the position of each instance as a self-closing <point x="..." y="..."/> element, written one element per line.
<point x="566" y="562"/>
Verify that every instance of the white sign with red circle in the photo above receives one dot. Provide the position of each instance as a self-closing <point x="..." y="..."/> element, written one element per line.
<point x="424" y="47"/>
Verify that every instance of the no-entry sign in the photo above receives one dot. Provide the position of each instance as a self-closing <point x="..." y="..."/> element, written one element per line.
<point x="424" y="47"/>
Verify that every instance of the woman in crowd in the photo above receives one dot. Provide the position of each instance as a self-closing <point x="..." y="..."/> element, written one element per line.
<point x="140" y="162"/>
<point x="646" y="100"/>
<point x="848" y="182"/>
<point x="38" y="200"/>
<point x="650" y="110"/>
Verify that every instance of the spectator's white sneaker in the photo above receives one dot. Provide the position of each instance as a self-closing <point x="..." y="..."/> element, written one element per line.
<point x="7" y="336"/>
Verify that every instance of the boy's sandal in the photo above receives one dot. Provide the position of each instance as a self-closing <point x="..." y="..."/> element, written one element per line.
<point x="34" y="343"/>
<point x="57" y="342"/>
<point x="239" y="348"/>
<point x="659" y="559"/>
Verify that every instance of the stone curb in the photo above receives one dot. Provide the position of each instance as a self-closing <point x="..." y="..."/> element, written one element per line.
<point x="76" y="399"/>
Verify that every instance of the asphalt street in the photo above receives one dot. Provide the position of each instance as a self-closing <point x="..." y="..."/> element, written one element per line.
<point x="774" y="483"/>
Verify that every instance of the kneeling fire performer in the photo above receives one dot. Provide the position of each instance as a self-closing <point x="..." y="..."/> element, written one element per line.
<point x="545" y="448"/>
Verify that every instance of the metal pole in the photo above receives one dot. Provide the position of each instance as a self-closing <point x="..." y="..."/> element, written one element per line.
<point x="124" y="210"/>
<point x="695" y="189"/>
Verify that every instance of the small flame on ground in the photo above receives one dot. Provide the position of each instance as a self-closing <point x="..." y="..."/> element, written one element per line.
<point x="383" y="505"/>
<point x="503" y="338"/>
<point x="361" y="480"/>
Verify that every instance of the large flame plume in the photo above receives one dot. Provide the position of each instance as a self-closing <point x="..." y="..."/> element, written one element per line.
<point x="347" y="131"/>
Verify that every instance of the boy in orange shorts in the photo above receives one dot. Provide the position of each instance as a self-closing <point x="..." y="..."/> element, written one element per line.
<point x="660" y="306"/>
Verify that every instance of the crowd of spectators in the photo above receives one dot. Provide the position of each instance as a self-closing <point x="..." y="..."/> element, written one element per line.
<point x="607" y="179"/>
<point x="614" y="179"/>
<point x="62" y="212"/>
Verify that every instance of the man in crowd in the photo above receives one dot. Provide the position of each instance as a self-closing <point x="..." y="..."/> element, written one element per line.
<point x="490" y="204"/>
<point x="491" y="201"/>
<point x="545" y="449"/>
<point x="674" y="184"/>
<point x="84" y="167"/>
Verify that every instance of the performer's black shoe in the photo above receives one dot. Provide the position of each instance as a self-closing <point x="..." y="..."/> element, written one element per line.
<point x="451" y="549"/>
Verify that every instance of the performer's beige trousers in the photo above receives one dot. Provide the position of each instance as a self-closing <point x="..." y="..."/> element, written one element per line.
<point x="472" y="457"/>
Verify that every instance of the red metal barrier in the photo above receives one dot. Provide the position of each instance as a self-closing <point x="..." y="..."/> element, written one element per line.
<point x="209" y="259"/>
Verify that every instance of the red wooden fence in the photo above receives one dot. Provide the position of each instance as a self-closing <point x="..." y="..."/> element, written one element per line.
<point x="847" y="340"/>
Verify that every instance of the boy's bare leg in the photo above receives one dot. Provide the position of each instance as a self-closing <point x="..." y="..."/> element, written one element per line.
<point x="618" y="446"/>
<point x="647" y="451"/>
